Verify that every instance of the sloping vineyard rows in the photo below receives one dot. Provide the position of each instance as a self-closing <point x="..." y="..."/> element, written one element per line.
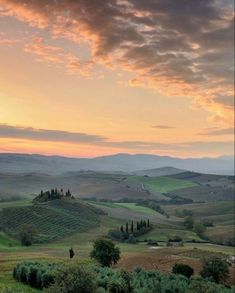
<point x="55" y="220"/>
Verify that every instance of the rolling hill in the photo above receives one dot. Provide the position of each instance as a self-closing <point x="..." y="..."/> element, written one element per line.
<point x="25" y="163"/>
<point x="195" y="186"/>
<point x="54" y="219"/>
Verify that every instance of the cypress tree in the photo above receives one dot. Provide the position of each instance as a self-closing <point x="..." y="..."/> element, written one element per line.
<point x="138" y="226"/>
<point x="148" y="223"/>
<point x="121" y="229"/>
<point x="132" y="227"/>
<point x="144" y="224"/>
<point x="127" y="228"/>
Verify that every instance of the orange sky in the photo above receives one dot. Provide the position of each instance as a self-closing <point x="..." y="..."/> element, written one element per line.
<point x="78" y="80"/>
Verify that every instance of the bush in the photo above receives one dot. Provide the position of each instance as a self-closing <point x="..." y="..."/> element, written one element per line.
<point x="118" y="281"/>
<point x="48" y="278"/>
<point x="32" y="279"/>
<point x="199" y="228"/>
<point x="27" y="234"/>
<point x="74" y="279"/>
<point x="131" y="239"/>
<point x="152" y="242"/>
<point x="188" y="222"/>
<point x="217" y="269"/>
<point x="200" y="285"/>
<point x="207" y="223"/>
<point x="175" y="239"/>
<point x="183" y="269"/>
<point x="37" y="275"/>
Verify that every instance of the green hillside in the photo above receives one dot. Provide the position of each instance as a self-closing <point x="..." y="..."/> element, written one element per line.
<point x="54" y="219"/>
<point x="161" y="184"/>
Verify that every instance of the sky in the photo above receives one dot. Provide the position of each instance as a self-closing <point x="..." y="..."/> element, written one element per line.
<point x="85" y="78"/>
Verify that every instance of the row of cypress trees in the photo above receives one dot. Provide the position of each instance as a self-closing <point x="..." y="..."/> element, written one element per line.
<point x="140" y="225"/>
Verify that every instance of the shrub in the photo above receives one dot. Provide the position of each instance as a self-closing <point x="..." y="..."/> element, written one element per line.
<point x="155" y="282"/>
<point x="207" y="223"/>
<point x="199" y="228"/>
<point x="183" y="269"/>
<point x="74" y="279"/>
<point x="175" y="239"/>
<point x="38" y="275"/>
<point x="48" y="278"/>
<point x="215" y="268"/>
<point x="152" y="242"/>
<point x="188" y="222"/>
<point x="32" y="279"/>
<point x="200" y="285"/>
<point x="131" y="239"/>
<point x="26" y="234"/>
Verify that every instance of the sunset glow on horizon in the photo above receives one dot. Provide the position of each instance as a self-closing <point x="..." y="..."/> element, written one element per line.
<point x="81" y="79"/>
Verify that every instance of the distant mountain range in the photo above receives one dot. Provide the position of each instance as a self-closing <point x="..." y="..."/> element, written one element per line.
<point x="25" y="163"/>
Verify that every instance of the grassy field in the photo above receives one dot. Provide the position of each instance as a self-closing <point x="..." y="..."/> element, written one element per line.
<point x="164" y="234"/>
<point x="138" y="208"/>
<point x="204" y="210"/>
<point x="220" y="213"/>
<point x="206" y="193"/>
<point x="161" y="184"/>
<point x="132" y="212"/>
<point x="15" y="203"/>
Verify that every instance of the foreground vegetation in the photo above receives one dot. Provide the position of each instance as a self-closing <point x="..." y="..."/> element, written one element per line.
<point x="91" y="278"/>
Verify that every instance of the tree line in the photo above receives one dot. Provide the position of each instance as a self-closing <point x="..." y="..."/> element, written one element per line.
<point x="52" y="194"/>
<point x="130" y="231"/>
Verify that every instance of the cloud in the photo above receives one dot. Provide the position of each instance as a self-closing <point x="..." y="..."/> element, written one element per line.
<point x="163" y="127"/>
<point x="214" y="132"/>
<point x="55" y="55"/>
<point x="30" y="133"/>
<point x="178" y="48"/>
<point x="6" y="41"/>
<point x="58" y="136"/>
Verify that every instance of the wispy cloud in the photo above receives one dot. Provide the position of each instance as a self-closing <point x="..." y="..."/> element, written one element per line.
<point x="215" y="132"/>
<point x="30" y="133"/>
<point x="7" y="41"/>
<point x="55" y="55"/>
<point x="182" y="48"/>
<point x="46" y="135"/>
<point x="163" y="127"/>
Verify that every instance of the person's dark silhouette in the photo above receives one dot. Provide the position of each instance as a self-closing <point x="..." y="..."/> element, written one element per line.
<point x="71" y="253"/>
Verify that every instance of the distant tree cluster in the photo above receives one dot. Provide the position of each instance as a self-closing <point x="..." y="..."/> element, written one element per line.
<point x="198" y="227"/>
<point x="129" y="231"/>
<point x="184" y="213"/>
<point x="53" y="194"/>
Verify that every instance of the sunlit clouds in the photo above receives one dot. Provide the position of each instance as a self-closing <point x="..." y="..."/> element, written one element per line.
<point x="145" y="76"/>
